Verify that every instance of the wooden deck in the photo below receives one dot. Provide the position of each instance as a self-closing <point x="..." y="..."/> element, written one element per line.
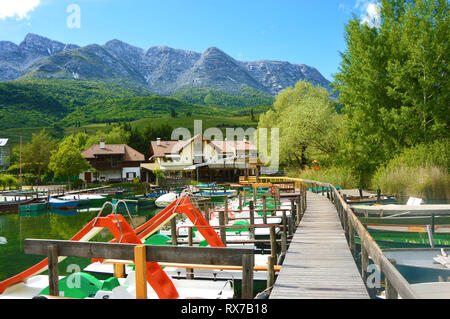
<point x="319" y="264"/>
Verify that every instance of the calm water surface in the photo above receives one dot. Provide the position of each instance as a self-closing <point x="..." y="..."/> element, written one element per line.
<point x="51" y="224"/>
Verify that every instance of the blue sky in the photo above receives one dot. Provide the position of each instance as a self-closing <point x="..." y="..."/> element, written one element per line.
<point x="299" y="31"/>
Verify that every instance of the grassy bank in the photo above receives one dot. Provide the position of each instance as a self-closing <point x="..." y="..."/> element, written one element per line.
<point x="427" y="182"/>
<point x="333" y="175"/>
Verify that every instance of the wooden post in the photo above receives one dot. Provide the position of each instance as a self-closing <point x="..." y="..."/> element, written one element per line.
<point x="378" y="195"/>
<point x="119" y="270"/>
<point x="53" y="280"/>
<point x="351" y="237"/>
<point x="391" y="293"/>
<point x="291" y="225"/>
<point x="173" y="230"/>
<point x="248" y="264"/>
<point x="284" y="237"/>
<point x="226" y="209"/>
<point x="285" y="230"/>
<point x="207" y="212"/>
<point x="223" y="233"/>
<point x="273" y="242"/>
<point x="140" y="271"/>
<point x="264" y="209"/>
<point x="190" y="271"/>
<point x="292" y="211"/>
<point x="364" y="262"/>
<point x="252" y="219"/>
<point x="270" y="272"/>
<point x="299" y="209"/>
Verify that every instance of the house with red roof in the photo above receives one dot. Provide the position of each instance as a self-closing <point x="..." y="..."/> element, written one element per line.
<point x="112" y="163"/>
<point x="205" y="159"/>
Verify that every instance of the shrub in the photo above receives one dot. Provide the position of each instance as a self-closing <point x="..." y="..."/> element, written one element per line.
<point x="421" y="171"/>
<point x="337" y="176"/>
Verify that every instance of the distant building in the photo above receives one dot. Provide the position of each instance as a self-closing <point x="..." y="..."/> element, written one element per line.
<point x="112" y="163"/>
<point x="5" y="153"/>
<point x="200" y="158"/>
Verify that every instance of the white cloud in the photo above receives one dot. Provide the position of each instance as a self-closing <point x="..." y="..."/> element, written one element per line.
<point x="372" y="16"/>
<point x="370" y="12"/>
<point x="18" y="9"/>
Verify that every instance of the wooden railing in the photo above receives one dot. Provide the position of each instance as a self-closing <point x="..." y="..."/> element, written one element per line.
<point x="243" y="257"/>
<point x="395" y="283"/>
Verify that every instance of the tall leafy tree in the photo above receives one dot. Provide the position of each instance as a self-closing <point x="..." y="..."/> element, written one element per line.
<point x="36" y="155"/>
<point x="393" y="81"/>
<point x="307" y="121"/>
<point x="67" y="160"/>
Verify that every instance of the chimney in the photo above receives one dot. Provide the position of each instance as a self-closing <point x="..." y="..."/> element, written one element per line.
<point x="158" y="141"/>
<point x="102" y="143"/>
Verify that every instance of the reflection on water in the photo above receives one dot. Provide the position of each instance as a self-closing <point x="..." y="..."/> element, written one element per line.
<point x="51" y="224"/>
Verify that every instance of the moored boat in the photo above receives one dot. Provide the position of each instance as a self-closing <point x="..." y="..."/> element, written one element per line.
<point x="400" y="210"/>
<point x="35" y="206"/>
<point x="413" y="220"/>
<point x="14" y="205"/>
<point x="410" y="239"/>
<point x="419" y="265"/>
<point x="165" y="200"/>
<point x="62" y="204"/>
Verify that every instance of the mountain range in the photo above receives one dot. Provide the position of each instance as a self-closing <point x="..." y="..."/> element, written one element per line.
<point x="161" y="69"/>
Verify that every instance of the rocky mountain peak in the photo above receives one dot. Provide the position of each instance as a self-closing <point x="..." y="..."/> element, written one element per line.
<point x="161" y="69"/>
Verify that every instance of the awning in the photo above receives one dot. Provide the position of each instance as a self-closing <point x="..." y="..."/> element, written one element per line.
<point x="151" y="166"/>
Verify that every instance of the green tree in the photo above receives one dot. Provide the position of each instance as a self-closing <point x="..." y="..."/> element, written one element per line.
<point x="36" y="155"/>
<point x="67" y="159"/>
<point x="393" y="81"/>
<point x="307" y="122"/>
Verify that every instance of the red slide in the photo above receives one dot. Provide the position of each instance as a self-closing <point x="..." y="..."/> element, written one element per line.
<point x="182" y="206"/>
<point x="156" y="277"/>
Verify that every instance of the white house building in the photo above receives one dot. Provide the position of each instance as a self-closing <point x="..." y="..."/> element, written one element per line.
<point x="200" y="158"/>
<point x="112" y="163"/>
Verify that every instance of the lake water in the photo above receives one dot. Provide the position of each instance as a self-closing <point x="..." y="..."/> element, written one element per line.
<point x="51" y="224"/>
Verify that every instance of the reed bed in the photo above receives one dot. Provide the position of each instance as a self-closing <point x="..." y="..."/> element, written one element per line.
<point x="427" y="182"/>
<point x="333" y="175"/>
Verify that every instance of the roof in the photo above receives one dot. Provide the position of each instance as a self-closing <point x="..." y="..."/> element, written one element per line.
<point x="129" y="154"/>
<point x="231" y="146"/>
<point x="222" y="147"/>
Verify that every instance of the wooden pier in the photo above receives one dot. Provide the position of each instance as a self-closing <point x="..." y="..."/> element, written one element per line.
<point x="319" y="263"/>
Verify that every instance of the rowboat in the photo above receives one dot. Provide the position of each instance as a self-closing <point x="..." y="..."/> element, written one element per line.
<point x="85" y="199"/>
<point x="386" y="239"/>
<point x="165" y="200"/>
<point x="62" y="204"/>
<point x="14" y="205"/>
<point x="370" y="200"/>
<point x="400" y="210"/>
<point x="414" y="220"/>
<point x="34" y="207"/>
<point x="440" y="229"/>
<point x="432" y="290"/>
<point x="419" y="265"/>
<point x="214" y="196"/>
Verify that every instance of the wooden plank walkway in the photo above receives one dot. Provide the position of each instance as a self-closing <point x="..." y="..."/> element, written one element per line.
<point x="319" y="264"/>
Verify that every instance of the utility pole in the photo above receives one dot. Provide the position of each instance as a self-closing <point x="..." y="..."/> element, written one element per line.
<point x="20" y="169"/>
